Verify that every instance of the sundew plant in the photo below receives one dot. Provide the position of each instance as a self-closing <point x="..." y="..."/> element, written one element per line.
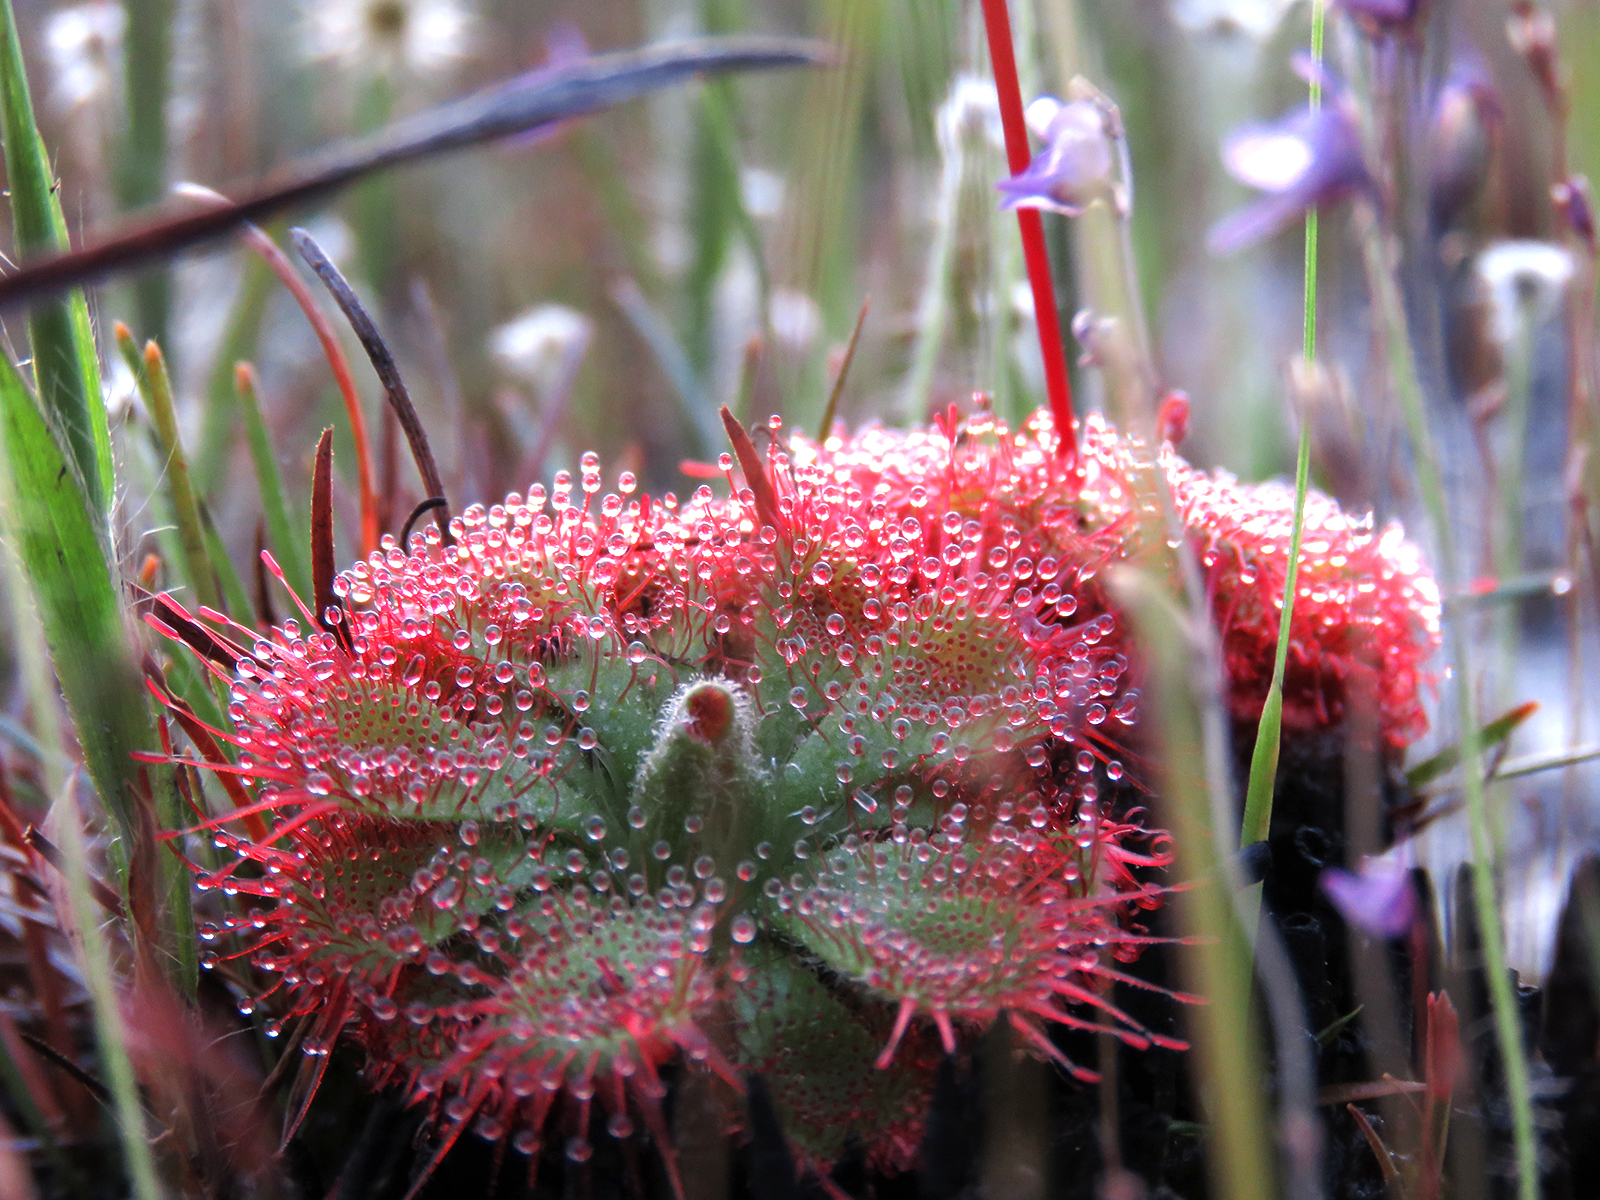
<point x="854" y="598"/>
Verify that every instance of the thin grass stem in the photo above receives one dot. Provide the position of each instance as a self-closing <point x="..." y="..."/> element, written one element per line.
<point x="155" y="388"/>
<point x="61" y="777"/>
<point x="1391" y="321"/>
<point x="285" y="546"/>
<point x="1264" y="758"/>
<point x="933" y="307"/>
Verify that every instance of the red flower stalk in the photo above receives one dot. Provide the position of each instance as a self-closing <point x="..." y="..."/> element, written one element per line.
<point x="1058" y="386"/>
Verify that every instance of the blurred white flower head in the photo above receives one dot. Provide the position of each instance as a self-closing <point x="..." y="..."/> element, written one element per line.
<point x="1254" y="18"/>
<point x="796" y="318"/>
<point x="543" y="345"/>
<point x="762" y="191"/>
<point x="1522" y="281"/>
<point x="84" y="46"/>
<point x="414" y="35"/>
<point x="973" y="105"/>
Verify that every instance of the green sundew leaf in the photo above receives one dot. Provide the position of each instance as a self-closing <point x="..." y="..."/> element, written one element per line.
<point x="625" y="726"/>
<point x="65" y="366"/>
<point x="816" y="1053"/>
<point x="150" y="371"/>
<point x="280" y="530"/>
<point x="56" y="536"/>
<point x="1492" y="734"/>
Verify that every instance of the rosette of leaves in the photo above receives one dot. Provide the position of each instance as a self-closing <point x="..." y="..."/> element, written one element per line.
<point x="814" y="780"/>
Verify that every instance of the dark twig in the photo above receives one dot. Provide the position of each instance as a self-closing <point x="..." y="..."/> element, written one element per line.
<point x="844" y="372"/>
<point x="53" y="1056"/>
<point x="430" y="502"/>
<point x="383" y="363"/>
<point x="46" y="849"/>
<point x="322" y="554"/>
<point x="529" y="101"/>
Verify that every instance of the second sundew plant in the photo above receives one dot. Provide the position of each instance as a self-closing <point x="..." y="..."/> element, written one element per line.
<point x="815" y="782"/>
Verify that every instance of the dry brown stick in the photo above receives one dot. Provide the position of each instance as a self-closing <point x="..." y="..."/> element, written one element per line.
<point x="394" y="387"/>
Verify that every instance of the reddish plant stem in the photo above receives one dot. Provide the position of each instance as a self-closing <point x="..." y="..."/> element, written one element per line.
<point x="261" y="242"/>
<point x="1058" y="388"/>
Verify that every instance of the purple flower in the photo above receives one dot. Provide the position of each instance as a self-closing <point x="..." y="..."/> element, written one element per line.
<point x="1303" y="161"/>
<point x="1075" y="167"/>
<point x="1379" y="899"/>
<point x="1382" y="14"/>
<point x="1467" y="115"/>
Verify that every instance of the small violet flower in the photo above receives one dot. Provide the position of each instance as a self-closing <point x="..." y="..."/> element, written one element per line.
<point x="1382" y="15"/>
<point x="1076" y="166"/>
<point x="1462" y="129"/>
<point x="1304" y="161"/>
<point x="1379" y="899"/>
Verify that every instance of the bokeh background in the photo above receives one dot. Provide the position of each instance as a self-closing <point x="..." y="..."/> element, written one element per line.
<point x="600" y="287"/>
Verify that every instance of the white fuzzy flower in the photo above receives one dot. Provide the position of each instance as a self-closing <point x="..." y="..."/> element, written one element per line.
<point x="973" y="106"/>
<point x="1254" y="18"/>
<point x="543" y="345"/>
<point x="1522" y="281"/>
<point x="414" y="35"/>
<point x="84" y="46"/>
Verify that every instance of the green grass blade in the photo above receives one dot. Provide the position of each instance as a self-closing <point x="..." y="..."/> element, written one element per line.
<point x="1264" y="758"/>
<point x="64" y="363"/>
<point x="98" y="968"/>
<point x="1216" y="956"/>
<point x="155" y="387"/>
<point x="233" y="592"/>
<point x="674" y="362"/>
<point x="56" y="536"/>
<point x="1490" y="736"/>
<point x="722" y="137"/>
<point x="933" y="307"/>
<point x="286" y="547"/>
<point x="1389" y="318"/>
<point x="147" y="53"/>
<point x="239" y="341"/>
<point x="109" y="1031"/>
<point x="57" y="539"/>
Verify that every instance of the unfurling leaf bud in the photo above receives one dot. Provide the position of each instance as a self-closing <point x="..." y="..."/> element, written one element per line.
<point x="701" y="777"/>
